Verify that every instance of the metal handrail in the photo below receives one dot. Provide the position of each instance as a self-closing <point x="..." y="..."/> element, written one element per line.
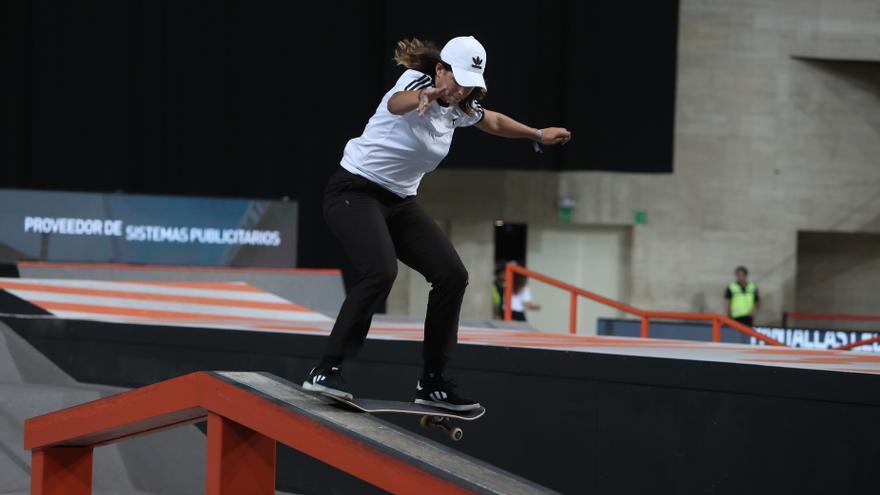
<point x="835" y="317"/>
<point x="246" y="420"/>
<point x="646" y="316"/>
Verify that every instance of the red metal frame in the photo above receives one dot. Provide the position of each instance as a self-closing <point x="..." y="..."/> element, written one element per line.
<point x="849" y="347"/>
<point x="240" y="460"/>
<point x="66" y="470"/>
<point x="646" y="316"/>
<point x="243" y="428"/>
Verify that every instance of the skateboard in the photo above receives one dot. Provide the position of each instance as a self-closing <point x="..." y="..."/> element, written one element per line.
<point x="432" y="417"/>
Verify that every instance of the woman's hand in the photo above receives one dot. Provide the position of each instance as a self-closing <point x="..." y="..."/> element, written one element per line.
<point x="555" y="135"/>
<point x="427" y="95"/>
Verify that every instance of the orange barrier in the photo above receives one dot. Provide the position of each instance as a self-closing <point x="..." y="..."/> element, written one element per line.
<point x="717" y="320"/>
<point x="849" y="347"/>
<point x="243" y="427"/>
<point x="834" y="317"/>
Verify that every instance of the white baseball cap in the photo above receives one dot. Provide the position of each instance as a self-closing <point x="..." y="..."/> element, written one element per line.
<point x="468" y="60"/>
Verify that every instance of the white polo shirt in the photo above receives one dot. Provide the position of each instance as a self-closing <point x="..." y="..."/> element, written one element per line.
<point x="396" y="151"/>
<point x="519" y="300"/>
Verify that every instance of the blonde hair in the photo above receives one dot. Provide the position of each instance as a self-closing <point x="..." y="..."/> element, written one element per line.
<point x="424" y="56"/>
<point x="417" y="55"/>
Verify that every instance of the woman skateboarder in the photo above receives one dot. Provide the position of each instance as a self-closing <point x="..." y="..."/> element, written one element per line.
<point x="370" y="206"/>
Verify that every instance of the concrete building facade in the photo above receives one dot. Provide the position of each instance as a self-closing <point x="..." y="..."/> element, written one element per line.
<point x="777" y="132"/>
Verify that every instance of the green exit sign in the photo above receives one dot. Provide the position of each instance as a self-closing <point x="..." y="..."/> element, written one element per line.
<point x="641" y="217"/>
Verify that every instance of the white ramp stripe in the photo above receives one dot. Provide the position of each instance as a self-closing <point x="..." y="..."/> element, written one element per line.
<point x="157" y="289"/>
<point x="136" y="304"/>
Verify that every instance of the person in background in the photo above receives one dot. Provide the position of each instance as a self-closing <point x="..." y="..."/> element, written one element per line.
<point x="741" y="298"/>
<point x="498" y="292"/>
<point x="521" y="300"/>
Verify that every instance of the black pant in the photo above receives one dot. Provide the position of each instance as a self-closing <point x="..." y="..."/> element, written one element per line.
<point x="748" y="321"/>
<point x="376" y="227"/>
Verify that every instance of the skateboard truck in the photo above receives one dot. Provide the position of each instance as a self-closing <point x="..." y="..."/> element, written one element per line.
<point x="455" y="433"/>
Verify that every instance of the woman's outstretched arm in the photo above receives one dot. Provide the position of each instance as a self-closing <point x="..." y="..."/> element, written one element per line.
<point x="499" y="124"/>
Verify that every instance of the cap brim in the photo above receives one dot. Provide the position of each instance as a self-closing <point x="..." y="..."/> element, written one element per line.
<point x="467" y="78"/>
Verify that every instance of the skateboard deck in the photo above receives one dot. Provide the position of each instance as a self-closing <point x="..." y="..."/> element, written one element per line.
<point x="431" y="416"/>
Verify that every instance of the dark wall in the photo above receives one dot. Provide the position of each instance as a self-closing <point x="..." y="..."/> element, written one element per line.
<point x="837" y="272"/>
<point x="257" y="98"/>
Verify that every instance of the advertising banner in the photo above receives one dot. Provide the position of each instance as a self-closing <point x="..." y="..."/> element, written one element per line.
<point x="146" y="229"/>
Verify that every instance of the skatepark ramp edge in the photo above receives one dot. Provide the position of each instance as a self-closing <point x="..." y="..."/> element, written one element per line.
<point x="247" y="414"/>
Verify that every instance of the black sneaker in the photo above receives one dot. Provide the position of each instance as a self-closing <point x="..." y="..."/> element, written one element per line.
<point x="436" y="391"/>
<point x="327" y="381"/>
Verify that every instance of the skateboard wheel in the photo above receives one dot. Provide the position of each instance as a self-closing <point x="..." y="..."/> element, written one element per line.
<point x="456" y="434"/>
<point x="425" y="422"/>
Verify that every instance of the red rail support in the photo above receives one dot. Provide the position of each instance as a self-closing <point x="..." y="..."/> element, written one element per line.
<point x="62" y="470"/>
<point x="859" y="343"/>
<point x="508" y="294"/>
<point x="573" y="314"/>
<point x="716" y="319"/>
<point x="240" y="460"/>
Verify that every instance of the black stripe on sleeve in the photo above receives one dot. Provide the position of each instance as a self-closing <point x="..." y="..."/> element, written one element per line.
<point x="475" y="104"/>
<point x="424" y="85"/>
<point x="418" y="81"/>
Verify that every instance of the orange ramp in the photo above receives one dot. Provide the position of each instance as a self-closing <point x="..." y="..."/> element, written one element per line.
<point x="247" y="413"/>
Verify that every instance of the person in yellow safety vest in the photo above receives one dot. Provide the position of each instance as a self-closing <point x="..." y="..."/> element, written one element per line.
<point x="498" y="292"/>
<point x="742" y="299"/>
